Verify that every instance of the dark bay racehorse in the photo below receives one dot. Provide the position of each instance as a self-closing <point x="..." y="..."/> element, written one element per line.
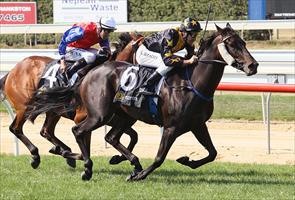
<point x="21" y="83"/>
<point x="184" y="109"/>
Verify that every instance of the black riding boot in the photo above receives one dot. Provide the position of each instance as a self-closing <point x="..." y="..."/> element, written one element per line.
<point x="148" y="87"/>
<point x="79" y="64"/>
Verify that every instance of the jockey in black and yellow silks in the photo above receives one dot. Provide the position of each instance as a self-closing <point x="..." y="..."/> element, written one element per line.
<point x="158" y="50"/>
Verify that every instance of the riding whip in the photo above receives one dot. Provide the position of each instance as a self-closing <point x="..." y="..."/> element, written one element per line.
<point x="208" y="14"/>
<point x="202" y="38"/>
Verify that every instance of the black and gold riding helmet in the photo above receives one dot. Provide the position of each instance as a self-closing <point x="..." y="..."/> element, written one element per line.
<point x="190" y="25"/>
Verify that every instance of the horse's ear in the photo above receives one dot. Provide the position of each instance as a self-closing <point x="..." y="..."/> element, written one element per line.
<point x="218" y="28"/>
<point x="228" y="25"/>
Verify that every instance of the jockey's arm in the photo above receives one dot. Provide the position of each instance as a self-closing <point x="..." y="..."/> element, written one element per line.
<point x="174" y="60"/>
<point x="69" y="36"/>
<point x="192" y="60"/>
<point x="190" y="57"/>
<point x="104" y="53"/>
<point x="170" y="59"/>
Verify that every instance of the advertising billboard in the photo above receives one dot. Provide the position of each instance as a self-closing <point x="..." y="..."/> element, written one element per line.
<point x="72" y="11"/>
<point x="18" y="13"/>
<point x="280" y="9"/>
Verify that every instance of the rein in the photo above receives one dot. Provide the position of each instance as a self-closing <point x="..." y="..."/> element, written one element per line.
<point x="190" y="87"/>
<point x="194" y="90"/>
<point x="212" y="61"/>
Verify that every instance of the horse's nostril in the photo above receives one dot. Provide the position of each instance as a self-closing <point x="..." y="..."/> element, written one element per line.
<point x="253" y="66"/>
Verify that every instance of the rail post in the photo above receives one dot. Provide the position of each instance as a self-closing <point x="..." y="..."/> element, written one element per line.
<point x="12" y="115"/>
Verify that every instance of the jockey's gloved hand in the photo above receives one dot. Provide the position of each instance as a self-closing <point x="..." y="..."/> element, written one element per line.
<point x="193" y="59"/>
<point x="102" y="55"/>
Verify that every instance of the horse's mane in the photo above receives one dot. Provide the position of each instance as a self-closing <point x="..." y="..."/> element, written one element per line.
<point x="206" y="43"/>
<point x="124" y="39"/>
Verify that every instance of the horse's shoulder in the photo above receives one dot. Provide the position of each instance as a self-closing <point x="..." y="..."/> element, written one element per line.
<point x="176" y="73"/>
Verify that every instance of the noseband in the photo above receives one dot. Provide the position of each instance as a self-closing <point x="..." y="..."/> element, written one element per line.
<point x="229" y="60"/>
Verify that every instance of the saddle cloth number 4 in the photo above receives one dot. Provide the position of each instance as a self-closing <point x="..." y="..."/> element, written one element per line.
<point x="50" y="74"/>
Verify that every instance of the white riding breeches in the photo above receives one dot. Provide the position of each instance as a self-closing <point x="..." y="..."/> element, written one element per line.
<point x="75" y="54"/>
<point x="153" y="59"/>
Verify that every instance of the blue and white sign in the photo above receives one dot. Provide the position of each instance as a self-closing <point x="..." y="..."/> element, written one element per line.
<point x="72" y="11"/>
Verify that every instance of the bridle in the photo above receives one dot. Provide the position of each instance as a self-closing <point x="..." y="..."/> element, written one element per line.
<point x="228" y="60"/>
<point x="226" y="56"/>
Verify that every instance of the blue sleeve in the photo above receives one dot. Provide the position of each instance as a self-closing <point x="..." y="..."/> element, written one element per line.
<point x="70" y="36"/>
<point x="104" y="43"/>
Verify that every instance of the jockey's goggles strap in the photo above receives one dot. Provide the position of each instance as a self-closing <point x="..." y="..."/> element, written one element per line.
<point x="108" y="30"/>
<point x="224" y="54"/>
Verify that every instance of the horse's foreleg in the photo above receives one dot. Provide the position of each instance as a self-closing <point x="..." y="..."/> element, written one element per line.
<point x="167" y="140"/>
<point x="47" y="132"/>
<point x="17" y="129"/>
<point x="116" y="159"/>
<point x="202" y="134"/>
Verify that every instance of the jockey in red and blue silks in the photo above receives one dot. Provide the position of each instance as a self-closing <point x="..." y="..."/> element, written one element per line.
<point x="77" y="41"/>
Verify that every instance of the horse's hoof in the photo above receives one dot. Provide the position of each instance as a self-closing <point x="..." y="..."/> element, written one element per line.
<point x="35" y="162"/>
<point x="183" y="160"/>
<point x="71" y="162"/>
<point x="129" y="178"/>
<point x="55" y="150"/>
<point x="66" y="154"/>
<point x="116" y="159"/>
<point x="134" y="175"/>
<point x="86" y="176"/>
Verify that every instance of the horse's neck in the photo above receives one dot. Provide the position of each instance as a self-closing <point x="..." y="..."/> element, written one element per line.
<point x="206" y="77"/>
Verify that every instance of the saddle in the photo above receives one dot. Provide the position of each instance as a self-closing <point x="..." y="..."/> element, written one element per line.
<point x="52" y="75"/>
<point x="128" y="91"/>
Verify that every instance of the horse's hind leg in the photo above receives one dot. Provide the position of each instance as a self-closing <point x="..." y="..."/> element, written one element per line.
<point x="113" y="137"/>
<point x="82" y="133"/>
<point x="203" y="136"/>
<point x="17" y="129"/>
<point x="47" y="132"/>
<point x="116" y="159"/>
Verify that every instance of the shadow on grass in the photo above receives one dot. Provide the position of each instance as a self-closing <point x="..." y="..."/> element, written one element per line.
<point x="175" y="176"/>
<point x="214" y="173"/>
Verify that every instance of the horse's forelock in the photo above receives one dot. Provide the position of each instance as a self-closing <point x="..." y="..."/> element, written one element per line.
<point x="228" y="31"/>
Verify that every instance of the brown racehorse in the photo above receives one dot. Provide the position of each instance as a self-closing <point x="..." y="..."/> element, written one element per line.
<point x="21" y="83"/>
<point x="184" y="109"/>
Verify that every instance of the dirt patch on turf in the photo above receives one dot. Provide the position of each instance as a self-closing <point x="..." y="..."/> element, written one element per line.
<point x="235" y="141"/>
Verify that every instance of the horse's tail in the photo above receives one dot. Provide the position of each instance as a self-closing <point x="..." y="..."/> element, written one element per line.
<point x="2" y="84"/>
<point x="59" y="100"/>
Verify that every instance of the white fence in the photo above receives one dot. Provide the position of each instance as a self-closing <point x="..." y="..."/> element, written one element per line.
<point x="274" y="65"/>
<point x="152" y="26"/>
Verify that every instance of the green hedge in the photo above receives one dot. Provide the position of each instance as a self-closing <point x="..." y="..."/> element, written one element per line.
<point x="175" y="10"/>
<point x="138" y="11"/>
